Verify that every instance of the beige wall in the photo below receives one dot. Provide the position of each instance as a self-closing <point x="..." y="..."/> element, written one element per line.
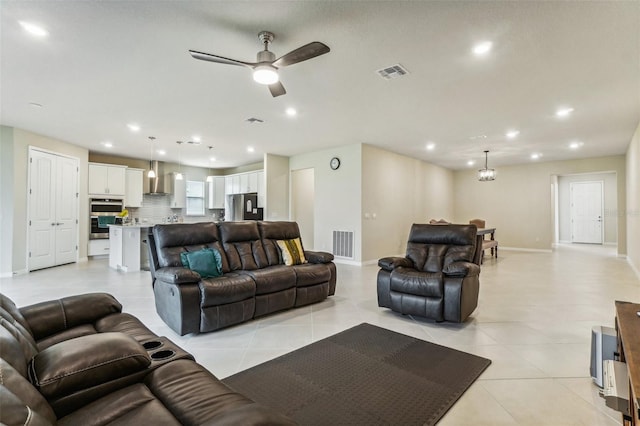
<point x="633" y="201"/>
<point x="398" y="191"/>
<point x="6" y="201"/>
<point x="22" y="139"/>
<point x="337" y="204"/>
<point x="519" y="202"/>
<point x="276" y="176"/>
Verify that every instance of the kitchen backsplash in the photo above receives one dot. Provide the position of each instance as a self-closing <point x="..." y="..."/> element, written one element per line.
<point x="155" y="209"/>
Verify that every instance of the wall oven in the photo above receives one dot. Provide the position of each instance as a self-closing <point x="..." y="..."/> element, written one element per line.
<point x="102" y="212"/>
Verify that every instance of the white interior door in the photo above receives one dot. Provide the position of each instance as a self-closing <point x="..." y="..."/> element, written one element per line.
<point x="302" y="204"/>
<point x="42" y="215"/>
<point x="586" y="212"/>
<point x="66" y="210"/>
<point x="53" y="210"/>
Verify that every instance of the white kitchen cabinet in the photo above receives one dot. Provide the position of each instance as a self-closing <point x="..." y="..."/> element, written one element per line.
<point x="235" y="184"/>
<point x="124" y="253"/>
<point x="98" y="247"/>
<point x="178" y="192"/>
<point x="228" y="185"/>
<point x="107" y="180"/>
<point x="216" y="189"/>
<point x="244" y="183"/>
<point x="253" y="182"/>
<point x="134" y="181"/>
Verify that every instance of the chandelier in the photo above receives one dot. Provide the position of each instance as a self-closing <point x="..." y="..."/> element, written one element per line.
<point x="486" y="174"/>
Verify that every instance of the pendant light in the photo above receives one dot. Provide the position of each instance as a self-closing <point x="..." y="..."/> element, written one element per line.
<point x="486" y="174"/>
<point x="152" y="173"/>
<point x="179" y="174"/>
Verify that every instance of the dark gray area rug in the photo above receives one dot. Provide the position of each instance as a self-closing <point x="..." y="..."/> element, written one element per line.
<point x="365" y="375"/>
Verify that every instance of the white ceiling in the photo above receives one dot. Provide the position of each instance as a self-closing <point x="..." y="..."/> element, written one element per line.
<point x="109" y="63"/>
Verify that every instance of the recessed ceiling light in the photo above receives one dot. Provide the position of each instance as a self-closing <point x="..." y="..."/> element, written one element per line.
<point x="482" y="48"/>
<point x="196" y="138"/>
<point x="250" y="149"/>
<point x="431" y="146"/>
<point x="291" y="112"/>
<point x="35" y="104"/>
<point x="471" y="163"/>
<point x="536" y="156"/>
<point x="512" y="133"/>
<point x="212" y="158"/>
<point x="564" y="112"/>
<point x="107" y="144"/>
<point x="575" y="145"/>
<point x="133" y="127"/>
<point x="162" y="152"/>
<point x="34" y="29"/>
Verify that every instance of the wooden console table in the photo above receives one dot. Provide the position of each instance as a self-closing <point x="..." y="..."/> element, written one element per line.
<point x="628" y="331"/>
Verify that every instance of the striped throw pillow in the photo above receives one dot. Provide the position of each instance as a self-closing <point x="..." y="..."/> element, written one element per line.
<point x="291" y="250"/>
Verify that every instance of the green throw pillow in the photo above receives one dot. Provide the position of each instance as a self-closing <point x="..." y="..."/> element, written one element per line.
<point x="291" y="250"/>
<point x="207" y="262"/>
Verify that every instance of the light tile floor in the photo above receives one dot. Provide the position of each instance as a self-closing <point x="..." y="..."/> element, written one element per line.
<point x="533" y="321"/>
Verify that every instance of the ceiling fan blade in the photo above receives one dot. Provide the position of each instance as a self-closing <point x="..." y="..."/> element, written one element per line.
<point x="219" y="59"/>
<point x="277" y="89"/>
<point x="303" y="53"/>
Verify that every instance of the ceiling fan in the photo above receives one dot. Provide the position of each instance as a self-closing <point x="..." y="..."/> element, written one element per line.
<point x="265" y="70"/>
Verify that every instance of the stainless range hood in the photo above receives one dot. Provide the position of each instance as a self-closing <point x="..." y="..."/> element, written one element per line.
<point x="156" y="185"/>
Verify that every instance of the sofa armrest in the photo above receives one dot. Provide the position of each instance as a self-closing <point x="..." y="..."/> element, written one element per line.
<point x="84" y="362"/>
<point x="177" y="275"/>
<point x="54" y="316"/>
<point x="390" y="263"/>
<point x="461" y="269"/>
<point x="318" y="256"/>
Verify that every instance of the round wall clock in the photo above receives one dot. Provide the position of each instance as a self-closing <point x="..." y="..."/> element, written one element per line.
<point x="334" y="163"/>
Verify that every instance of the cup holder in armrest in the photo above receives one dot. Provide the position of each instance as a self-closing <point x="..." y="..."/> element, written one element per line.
<point x="153" y="344"/>
<point x="164" y="354"/>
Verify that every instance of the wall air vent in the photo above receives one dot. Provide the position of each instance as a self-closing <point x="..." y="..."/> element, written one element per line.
<point x="253" y="120"/>
<point x="343" y="244"/>
<point x="392" y="72"/>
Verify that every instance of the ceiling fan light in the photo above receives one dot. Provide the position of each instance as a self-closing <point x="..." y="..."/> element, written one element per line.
<point x="265" y="74"/>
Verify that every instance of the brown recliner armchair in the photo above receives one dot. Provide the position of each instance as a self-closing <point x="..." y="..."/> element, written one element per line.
<point x="439" y="276"/>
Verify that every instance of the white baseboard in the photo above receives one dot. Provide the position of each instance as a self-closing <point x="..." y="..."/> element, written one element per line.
<point x="525" y="249"/>
<point x="346" y="262"/>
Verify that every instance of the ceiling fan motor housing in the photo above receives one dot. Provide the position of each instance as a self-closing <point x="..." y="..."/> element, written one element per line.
<point x="266" y="56"/>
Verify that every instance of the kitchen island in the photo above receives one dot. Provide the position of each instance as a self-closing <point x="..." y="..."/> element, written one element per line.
<point x="126" y="245"/>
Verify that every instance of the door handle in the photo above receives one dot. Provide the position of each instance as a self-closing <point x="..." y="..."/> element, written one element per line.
<point x="53" y="224"/>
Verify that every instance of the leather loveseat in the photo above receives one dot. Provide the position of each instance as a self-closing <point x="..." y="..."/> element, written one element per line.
<point x="80" y="361"/>
<point x="439" y="276"/>
<point x="254" y="281"/>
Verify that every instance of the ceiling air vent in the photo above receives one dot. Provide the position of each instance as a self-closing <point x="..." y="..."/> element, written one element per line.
<point x="393" y="71"/>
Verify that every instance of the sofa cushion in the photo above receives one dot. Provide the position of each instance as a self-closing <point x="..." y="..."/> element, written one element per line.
<point x="206" y="262"/>
<point x="171" y="240"/>
<point x="228" y="288"/>
<point x="291" y="251"/>
<point x="311" y="274"/>
<point x="242" y="245"/>
<point x="270" y="232"/>
<point x="273" y="278"/>
<point x="432" y="247"/>
<point x="410" y="281"/>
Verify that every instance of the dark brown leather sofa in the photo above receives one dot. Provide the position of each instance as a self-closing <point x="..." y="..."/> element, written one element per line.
<point x="439" y="276"/>
<point x="80" y="361"/>
<point x="255" y="281"/>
